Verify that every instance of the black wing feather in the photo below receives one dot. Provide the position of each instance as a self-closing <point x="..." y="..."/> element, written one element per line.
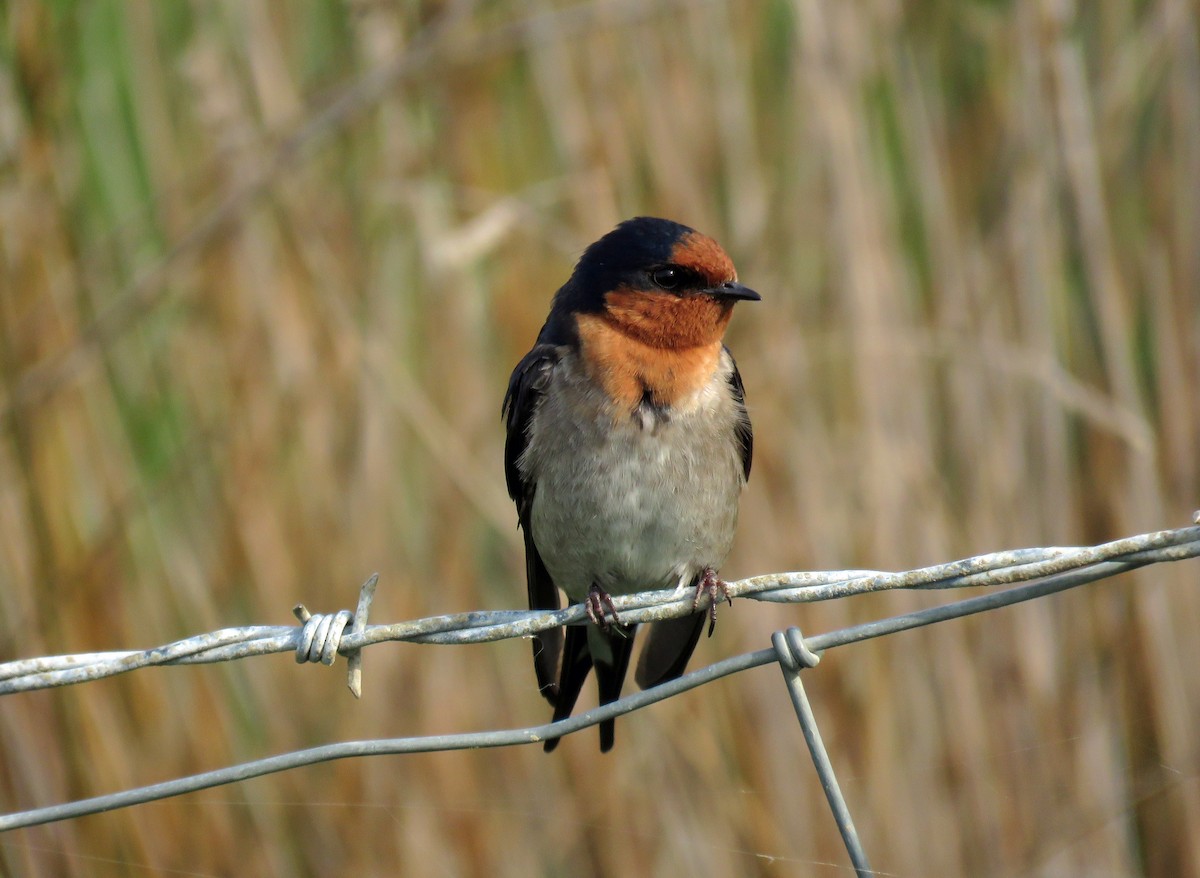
<point x="745" y="432"/>
<point x="525" y="390"/>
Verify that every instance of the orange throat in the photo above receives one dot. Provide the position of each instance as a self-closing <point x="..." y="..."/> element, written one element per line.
<point x="661" y="357"/>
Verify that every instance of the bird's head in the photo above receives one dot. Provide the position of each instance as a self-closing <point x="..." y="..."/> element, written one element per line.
<point x="659" y="282"/>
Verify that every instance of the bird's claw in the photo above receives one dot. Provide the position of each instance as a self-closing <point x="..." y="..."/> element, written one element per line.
<point x="708" y="584"/>
<point x="598" y="600"/>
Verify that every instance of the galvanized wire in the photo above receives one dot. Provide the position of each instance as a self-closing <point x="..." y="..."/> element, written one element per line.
<point x="794" y="656"/>
<point x="1045" y="571"/>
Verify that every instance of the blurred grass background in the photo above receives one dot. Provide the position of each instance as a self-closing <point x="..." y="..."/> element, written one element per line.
<point x="265" y="266"/>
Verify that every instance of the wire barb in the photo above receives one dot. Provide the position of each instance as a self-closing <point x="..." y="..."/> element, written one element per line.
<point x="320" y="635"/>
<point x="366" y="595"/>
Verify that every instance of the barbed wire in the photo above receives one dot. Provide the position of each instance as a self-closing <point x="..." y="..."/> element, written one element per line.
<point x="1043" y="571"/>
<point x="227" y="644"/>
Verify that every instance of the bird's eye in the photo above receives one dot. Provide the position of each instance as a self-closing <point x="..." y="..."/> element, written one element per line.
<point x="670" y="277"/>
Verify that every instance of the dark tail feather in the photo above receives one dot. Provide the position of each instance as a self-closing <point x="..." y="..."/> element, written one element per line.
<point x="576" y="662"/>
<point x="668" y="647"/>
<point x="610" y="678"/>
<point x="547" y="647"/>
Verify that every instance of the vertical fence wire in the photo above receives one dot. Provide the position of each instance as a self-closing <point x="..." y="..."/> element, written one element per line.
<point x="794" y="657"/>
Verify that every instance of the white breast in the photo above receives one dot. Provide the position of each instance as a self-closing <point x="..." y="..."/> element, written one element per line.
<point x="632" y="500"/>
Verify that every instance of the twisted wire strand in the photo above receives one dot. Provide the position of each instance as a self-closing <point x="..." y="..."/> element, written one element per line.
<point x="990" y="570"/>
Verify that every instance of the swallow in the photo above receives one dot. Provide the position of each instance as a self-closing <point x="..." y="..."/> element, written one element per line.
<point x="627" y="447"/>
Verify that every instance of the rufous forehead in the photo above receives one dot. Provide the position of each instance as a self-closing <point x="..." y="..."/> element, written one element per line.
<point x="705" y="255"/>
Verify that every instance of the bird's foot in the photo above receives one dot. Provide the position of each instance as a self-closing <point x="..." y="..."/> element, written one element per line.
<point x="598" y="600"/>
<point x="709" y="584"/>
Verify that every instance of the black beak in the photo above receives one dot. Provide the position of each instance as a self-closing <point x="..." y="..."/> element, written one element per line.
<point x="734" y="291"/>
